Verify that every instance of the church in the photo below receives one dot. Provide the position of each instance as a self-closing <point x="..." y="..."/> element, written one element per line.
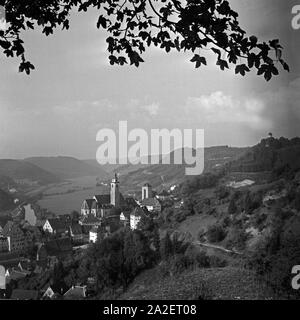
<point x="102" y="205"/>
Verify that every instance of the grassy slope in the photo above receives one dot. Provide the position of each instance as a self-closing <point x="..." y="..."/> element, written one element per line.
<point x="219" y="283"/>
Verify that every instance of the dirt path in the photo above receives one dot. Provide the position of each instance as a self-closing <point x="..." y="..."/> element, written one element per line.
<point x="208" y="245"/>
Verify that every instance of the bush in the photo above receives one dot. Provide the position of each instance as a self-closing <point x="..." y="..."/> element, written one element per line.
<point x="180" y="263"/>
<point x="201" y="235"/>
<point x="222" y="192"/>
<point x="215" y="233"/>
<point x="202" y="260"/>
<point x="252" y="202"/>
<point x="236" y="239"/>
<point x="203" y="292"/>
<point x="232" y="208"/>
<point x="216" y="262"/>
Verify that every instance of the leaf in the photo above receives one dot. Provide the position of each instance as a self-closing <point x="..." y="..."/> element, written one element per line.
<point x="101" y="22"/>
<point x="223" y="64"/>
<point x="251" y="60"/>
<point x="284" y="65"/>
<point x="241" y="69"/>
<point x="268" y="75"/>
<point x="217" y="51"/>
<point x="253" y="41"/>
<point x="29" y="24"/>
<point x="135" y="58"/>
<point x="199" y="60"/>
<point x="122" y="60"/>
<point x="48" y="30"/>
<point x="4" y="44"/>
<point x="143" y="34"/>
<point x="274" y="70"/>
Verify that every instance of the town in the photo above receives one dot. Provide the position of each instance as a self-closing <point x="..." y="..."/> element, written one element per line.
<point x="32" y="244"/>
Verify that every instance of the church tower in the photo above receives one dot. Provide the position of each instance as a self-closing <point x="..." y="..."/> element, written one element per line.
<point x="115" y="192"/>
<point x="146" y="191"/>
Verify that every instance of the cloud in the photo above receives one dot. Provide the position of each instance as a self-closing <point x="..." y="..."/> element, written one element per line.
<point x="152" y="108"/>
<point x="218" y="108"/>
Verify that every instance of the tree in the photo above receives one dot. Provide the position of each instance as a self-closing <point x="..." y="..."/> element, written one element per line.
<point x="58" y="277"/>
<point x="232" y="208"/>
<point x="166" y="247"/>
<point x="215" y="233"/>
<point x="134" y="25"/>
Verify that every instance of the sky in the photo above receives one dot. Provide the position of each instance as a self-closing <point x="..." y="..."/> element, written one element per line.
<point x="74" y="91"/>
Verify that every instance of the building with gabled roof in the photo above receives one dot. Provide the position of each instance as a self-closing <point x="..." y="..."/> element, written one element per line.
<point x="135" y="217"/>
<point x="59" y="247"/>
<point x="15" y="236"/>
<point x="3" y="244"/>
<point x="76" y="232"/>
<point x="88" y="222"/>
<point x="55" y="226"/>
<point x="49" y="293"/>
<point x="86" y="206"/>
<point x="20" y="294"/>
<point x="76" y="293"/>
<point x="152" y="204"/>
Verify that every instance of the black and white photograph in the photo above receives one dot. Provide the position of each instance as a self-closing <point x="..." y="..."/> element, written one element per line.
<point x="149" y="151"/>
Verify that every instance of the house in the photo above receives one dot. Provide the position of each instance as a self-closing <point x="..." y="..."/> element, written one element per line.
<point x="30" y="215"/>
<point x="88" y="222"/>
<point x="2" y="278"/>
<point x="75" y="293"/>
<point x="93" y="234"/>
<point x="163" y="195"/>
<point x="125" y="217"/>
<point x="16" y="274"/>
<point x="86" y="207"/>
<point x="40" y="223"/>
<point x="152" y="205"/>
<point x="3" y="222"/>
<point x="41" y="254"/>
<point x="76" y="232"/>
<point x="49" y="294"/>
<point x="59" y="247"/>
<point x="99" y="232"/>
<point x="20" y="294"/>
<point x="135" y="217"/>
<point x="55" y="226"/>
<point x="15" y="236"/>
<point x="3" y="244"/>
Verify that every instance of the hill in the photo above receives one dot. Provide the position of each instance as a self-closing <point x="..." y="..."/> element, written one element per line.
<point x="109" y="168"/>
<point x="166" y="175"/>
<point x="268" y="155"/>
<point x="67" y="167"/>
<point x="26" y="173"/>
<point x="6" y="201"/>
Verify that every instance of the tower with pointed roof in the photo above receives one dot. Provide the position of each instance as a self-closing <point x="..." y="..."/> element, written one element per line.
<point x="115" y="192"/>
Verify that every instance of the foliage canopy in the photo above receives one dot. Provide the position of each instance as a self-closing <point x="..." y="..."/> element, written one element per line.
<point x="133" y="25"/>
